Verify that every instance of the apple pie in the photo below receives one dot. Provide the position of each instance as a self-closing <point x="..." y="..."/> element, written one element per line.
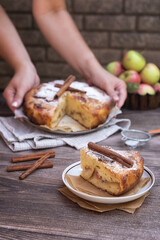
<point x="108" y="174"/>
<point x="90" y="107"/>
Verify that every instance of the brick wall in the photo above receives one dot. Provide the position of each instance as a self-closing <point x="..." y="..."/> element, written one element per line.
<point x="110" y="27"/>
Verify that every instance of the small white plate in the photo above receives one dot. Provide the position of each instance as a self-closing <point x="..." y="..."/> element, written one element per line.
<point x="75" y="169"/>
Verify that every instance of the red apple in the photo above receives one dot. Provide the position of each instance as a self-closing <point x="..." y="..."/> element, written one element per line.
<point x="133" y="60"/>
<point x="145" y="89"/>
<point x="132" y="79"/>
<point x="130" y="76"/>
<point x="157" y="87"/>
<point x="114" y="68"/>
<point x="150" y="74"/>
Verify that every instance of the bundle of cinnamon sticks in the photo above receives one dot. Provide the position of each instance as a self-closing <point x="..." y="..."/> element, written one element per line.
<point x="31" y="167"/>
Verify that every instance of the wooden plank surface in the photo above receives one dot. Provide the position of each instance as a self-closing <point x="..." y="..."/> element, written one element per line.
<point x="35" y="209"/>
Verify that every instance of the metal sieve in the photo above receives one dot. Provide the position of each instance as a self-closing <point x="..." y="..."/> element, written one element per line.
<point x="134" y="138"/>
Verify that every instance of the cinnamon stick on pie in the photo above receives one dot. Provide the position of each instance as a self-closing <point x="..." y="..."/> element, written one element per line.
<point x="64" y="87"/>
<point x="70" y="88"/>
<point x="111" y="154"/>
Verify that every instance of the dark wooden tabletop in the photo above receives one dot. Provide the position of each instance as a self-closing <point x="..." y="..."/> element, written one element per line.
<point x="35" y="209"/>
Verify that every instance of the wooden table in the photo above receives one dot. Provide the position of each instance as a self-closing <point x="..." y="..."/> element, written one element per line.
<point x="35" y="209"/>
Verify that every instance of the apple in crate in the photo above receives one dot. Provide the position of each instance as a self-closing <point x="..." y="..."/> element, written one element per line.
<point x="132" y="80"/>
<point x="133" y="60"/>
<point x="150" y="74"/>
<point x="114" y="68"/>
<point x="145" y="89"/>
<point x="157" y="87"/>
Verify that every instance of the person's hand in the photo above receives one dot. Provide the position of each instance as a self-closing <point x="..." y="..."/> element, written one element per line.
<point x="23" y="80"/>
<point x="113" y="86"/>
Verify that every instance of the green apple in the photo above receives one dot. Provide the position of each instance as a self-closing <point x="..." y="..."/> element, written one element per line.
<point x="150" y="74"/>
<point x="114" y="68"/>
<point x="133" y="60"/>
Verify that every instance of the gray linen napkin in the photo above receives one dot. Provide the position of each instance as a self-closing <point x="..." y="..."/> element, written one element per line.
<point x="20" y="136"/>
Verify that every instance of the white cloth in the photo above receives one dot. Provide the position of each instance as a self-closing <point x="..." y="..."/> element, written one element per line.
<point x="20" y="136"/>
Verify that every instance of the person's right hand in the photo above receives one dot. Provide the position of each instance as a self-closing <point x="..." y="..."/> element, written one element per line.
<point x="24" y="79"/>
<point x="113" y="86"/>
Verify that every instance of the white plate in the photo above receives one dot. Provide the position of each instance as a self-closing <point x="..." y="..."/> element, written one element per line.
<point x="75" y="169"/>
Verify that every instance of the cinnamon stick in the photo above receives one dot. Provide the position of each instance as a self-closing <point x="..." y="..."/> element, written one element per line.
<point x="20" y="167"/>
<point x="32" y="156"/>
<point x="69" y="88"/>
<point x="64" y="87"/>
<point x="38" y="163"/>
<point x="111" y="154"/>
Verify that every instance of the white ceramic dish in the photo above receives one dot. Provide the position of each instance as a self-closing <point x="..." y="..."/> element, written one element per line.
<point x="75" y="169"/>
